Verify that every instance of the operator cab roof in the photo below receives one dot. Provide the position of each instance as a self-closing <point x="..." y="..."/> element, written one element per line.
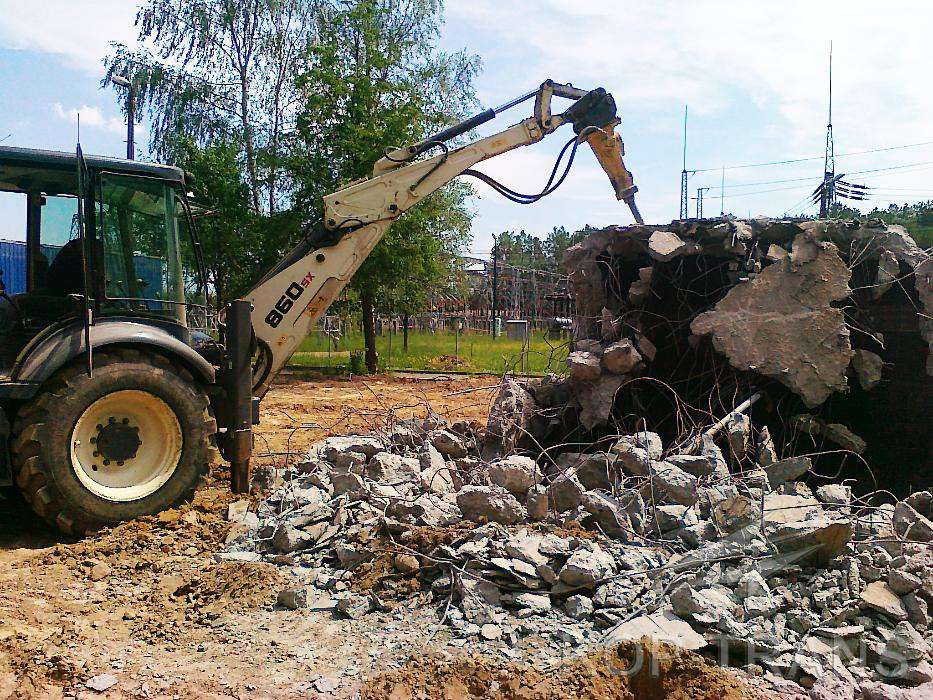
<point x="55" y="172"/>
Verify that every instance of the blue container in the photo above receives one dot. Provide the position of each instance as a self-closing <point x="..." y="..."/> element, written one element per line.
<point x="13" y="267"/>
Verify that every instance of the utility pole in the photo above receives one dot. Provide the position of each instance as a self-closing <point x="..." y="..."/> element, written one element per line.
<point x="828" y="192"/>
<point x="495" y="284"/>
<point x="722" y="193"/>
<point x="700" y="191"/>
<point x="130" y="114"/>
<point x="684" y="214"/>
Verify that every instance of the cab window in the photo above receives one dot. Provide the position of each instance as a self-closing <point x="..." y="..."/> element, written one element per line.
<point x="144" y="242"/>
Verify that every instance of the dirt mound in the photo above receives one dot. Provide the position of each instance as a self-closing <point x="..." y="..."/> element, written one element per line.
<point x="247" y="586"/>
<point x="627" y="672"/>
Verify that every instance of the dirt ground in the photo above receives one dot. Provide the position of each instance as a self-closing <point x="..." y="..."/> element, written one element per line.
<point x="144" y="610"/>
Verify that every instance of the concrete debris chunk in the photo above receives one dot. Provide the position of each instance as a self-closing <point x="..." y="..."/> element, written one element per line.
<point x="608" y="512"/>
<point x="782" y="323"/>
<point x="621" y="357"/>
<point x="787" y="470"/>
<point x="867" y="366"/>
<point x="739" y="433"/>
<point x="355" y="606"/>
<point x="539" y="603"/>
<point x="879" y="597"/>
<point x="698" y="465"/>
<point x="708" y="606"/>
<point x="907" y="643"/>
<point x="662" y="626"/>
<point x="579" y="607"/>
<point x="903" y="582"/>
<point x="331" y="448"/>
<point x="565" y="493"/>
<point x="449" y="445"/>
<point x="675" y="483"/>
<point x="292" y="598"/>
<point x="767" y="452"/>
<point x="586" y="567"/>
<point x="237" y="510"/>
<point x="489" y="503"/>
<point x="752" y="584"/>
<point x="102" y="682"/>
<point x="873" y="690"/>
<point x="288" y="539"/>
<point x="596" y="399"/>
<point x="710" y="450"/>
<point x="672" y="517"/>
<point x="667" y="245"/>
<point x="509" y="419"/>
<point x="435" y="472"/>
<point x="584" y="366"/>
<point x="735" y="512"/>
<point x="515" y="473"/>
<point x="910" y="525"/>
<point x="595" y="471"/>
<point x="393" y="469"/>
<point x="835" y="432"/>
<point x="835" y="494"/>
<point x="921" y="501"/>
<point x="888" y="271"/>
<point x="637" y="452"/>
<point x="537" y="503"/>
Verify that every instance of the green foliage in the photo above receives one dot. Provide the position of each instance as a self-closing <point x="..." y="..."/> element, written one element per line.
<point x="531" y="252"/>
<point x="917" y="218"/>
<point x="357" y="365"/>
<point x="238" y="244"/>
<point x="274" y="103"/>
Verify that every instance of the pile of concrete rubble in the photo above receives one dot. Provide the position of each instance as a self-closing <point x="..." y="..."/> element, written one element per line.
<point x="806" y="589"/>
<point x="833" y="320"/>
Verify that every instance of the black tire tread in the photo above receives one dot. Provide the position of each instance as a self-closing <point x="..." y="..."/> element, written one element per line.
<point x="30" y="472"/>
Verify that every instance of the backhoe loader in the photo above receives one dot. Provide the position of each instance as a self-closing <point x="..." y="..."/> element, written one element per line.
<point x="114" y="397"/>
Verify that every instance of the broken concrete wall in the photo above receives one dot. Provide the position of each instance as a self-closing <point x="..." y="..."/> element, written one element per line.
<point x="832" y="319"/>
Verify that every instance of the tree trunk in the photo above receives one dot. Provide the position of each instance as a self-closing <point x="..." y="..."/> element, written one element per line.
<point x="369" y="331"/>
<point x="249" y="146"/>
<point x="405" y="332"/>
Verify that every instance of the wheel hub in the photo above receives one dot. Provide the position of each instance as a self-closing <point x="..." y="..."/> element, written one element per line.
<point x="126" y="445"/>
<point x="117" y="441"/>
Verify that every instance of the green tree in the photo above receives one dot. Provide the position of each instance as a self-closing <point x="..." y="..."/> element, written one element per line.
<point x="379" y="80"/>
<point x="221" y="70"/>
<point x="238" y="244"/>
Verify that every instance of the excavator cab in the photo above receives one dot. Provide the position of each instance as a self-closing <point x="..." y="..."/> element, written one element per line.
<point x="103" y="297"/>
<point x="137" y="255"/>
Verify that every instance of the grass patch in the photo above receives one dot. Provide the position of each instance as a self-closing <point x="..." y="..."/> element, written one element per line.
<point x="922" y="235"/>
<point x="475" y="352"/>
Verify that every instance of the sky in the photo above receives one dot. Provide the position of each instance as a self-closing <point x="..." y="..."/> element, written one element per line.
<point x="753" y="74"/>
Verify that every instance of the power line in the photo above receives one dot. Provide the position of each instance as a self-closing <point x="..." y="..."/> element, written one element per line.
<point x="811" y="178"/>
<point x="812" y="158"/>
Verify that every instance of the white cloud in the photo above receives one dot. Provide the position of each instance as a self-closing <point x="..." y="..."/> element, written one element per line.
<point x="78" y="31"/>
<point x="89" y="117"/>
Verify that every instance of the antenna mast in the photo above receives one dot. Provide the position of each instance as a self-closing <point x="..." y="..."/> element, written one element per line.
<point x="684" y="214"/>
<point x="828" y="191"/>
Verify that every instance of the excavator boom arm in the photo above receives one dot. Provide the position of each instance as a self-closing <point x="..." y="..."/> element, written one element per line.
<point x="290" y="299"/>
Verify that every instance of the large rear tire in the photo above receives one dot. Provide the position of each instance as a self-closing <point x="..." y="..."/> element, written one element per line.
<point x="133" y="439"/>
